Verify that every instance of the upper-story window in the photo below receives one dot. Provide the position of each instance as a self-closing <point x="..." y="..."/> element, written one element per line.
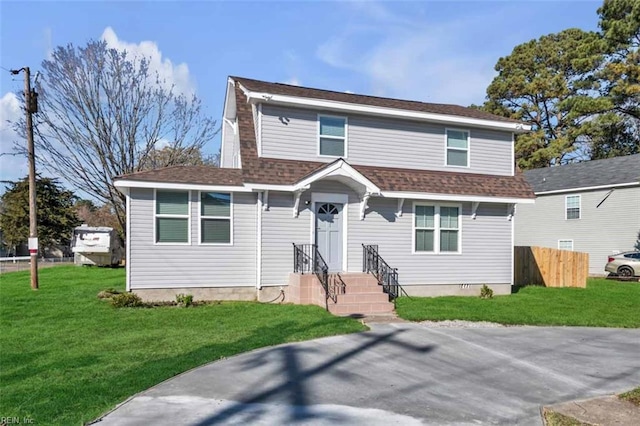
<point x="172" y="217"/>
<point x="332" y="136"/>
<point x="572" y="207"/>
<point x="215" y="218"/>
<point x="457" y="146"/>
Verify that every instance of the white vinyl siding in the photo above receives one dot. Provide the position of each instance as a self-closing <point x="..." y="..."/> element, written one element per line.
<point x="192" y="265"/>
<point x="436" y="228"/>
<point x="171" y="217"/>
<point x="485" y="244"/>
<point x="457" y="147"/>
<point x="216" y="218"/>
<point x="292" y="133"/>
<point x="332" y="136"/>
<point x="572" y="207"/>
<point x="543" y="223"/>
<point x="565" y="244"/>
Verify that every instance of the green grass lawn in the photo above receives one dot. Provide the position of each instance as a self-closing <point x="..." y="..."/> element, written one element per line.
<point x="602" y="304"/>
<point x="67" y="356"/>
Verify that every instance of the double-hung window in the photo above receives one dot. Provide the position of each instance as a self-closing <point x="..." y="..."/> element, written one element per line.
<point x="457" y="142"/>
<point x="215" y="218"/>
<point x="436" y="229"/>
<point x="172" y="217"/>
<point x="425" y="223"/>
<point x="332" y="136"/>
<point x="572" y="207"/>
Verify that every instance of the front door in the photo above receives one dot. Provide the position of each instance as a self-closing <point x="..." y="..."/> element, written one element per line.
<point x="329" y="234"/>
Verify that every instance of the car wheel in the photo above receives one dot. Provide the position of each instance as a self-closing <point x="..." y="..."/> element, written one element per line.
<point x="625" y="271"/>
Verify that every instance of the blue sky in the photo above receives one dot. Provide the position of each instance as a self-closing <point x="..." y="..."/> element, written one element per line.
<point x="433" y="51"/>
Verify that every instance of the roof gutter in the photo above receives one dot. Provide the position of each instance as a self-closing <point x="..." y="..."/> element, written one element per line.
<point x="122" y="185"/>
<point x="588" y="188"/>
<point x="256" y="97"/>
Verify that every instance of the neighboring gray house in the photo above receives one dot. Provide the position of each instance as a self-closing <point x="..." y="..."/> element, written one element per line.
<point x="592" y="207"/>
<point x="309" y="175"/>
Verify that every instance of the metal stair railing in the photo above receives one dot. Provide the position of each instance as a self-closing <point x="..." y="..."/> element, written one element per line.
<point x="387" y="276"/>
<point x="307" y="259"/>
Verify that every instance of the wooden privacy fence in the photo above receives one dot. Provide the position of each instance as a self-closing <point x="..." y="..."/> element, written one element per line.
<point x="550" y="267"/>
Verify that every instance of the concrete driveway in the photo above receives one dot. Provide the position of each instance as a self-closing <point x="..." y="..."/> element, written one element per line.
<point x="402" y="373"/>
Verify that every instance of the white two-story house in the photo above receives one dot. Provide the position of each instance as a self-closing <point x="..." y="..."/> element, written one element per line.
<point x="316" y="187"/>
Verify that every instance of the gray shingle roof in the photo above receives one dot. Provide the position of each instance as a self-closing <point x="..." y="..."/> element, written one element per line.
<point x="308" y="92"/>
<point x="610" y="171"/>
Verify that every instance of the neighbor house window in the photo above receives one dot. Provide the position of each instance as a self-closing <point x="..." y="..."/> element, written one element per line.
<point x="332" y="135"/>
<point x="565" y="244"/>
<point x="457" y="148"/>
<point x="436" y="229"/>
<point x="572" y="204"/>
<point x="172" y="217"/>
<point x="215" y="218"/>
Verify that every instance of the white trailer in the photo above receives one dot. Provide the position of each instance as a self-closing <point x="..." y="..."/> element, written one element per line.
<point x="99" y="245"/>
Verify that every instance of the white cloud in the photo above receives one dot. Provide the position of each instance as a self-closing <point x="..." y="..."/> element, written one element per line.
<point x="172" y="74"/>
<point x="413" y="57"/>
<point x="12" y="167"/>
<point x="292" y="81"/>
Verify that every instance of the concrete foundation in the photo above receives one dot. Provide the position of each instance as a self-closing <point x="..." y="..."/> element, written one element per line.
<point x="198" y="293"/>
<point x="306" y="290"/>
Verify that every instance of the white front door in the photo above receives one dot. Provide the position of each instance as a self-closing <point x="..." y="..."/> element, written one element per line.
<point x="329" y="234"/>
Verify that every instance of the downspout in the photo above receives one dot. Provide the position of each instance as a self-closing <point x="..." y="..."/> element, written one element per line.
<point x="259" y="245"/>
<point x="127" y="264"/>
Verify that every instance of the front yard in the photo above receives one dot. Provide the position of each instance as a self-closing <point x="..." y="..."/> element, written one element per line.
<point x="602" y="304"/>
<point x="67" y="356"/>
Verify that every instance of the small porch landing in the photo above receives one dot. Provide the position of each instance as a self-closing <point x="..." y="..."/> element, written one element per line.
<point x="349" y="293"/>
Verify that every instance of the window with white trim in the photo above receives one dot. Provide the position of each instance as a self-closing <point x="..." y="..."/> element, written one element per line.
<point x="565" y="245"/>
<point x="436" y="228"/>
<point x="172" y="217"/>
<point x="572" y="207"/>
<point x="457" y="148"/>
<point x="332" y="135"/>
<point x="215" y="218"/>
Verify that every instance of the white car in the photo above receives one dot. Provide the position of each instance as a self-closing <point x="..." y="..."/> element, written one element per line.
<point x="625" y="264"/>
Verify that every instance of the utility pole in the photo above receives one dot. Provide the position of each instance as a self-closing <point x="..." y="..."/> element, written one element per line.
<point x="31" y="107"/>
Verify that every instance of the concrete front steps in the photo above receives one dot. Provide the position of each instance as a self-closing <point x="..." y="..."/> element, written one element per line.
<point x="356" y="294"/>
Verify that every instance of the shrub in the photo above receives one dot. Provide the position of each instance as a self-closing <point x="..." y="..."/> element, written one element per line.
<point x="108" y="293"/>
<point x="126" y="300"/>
<point x="486" y="292"/>
<point x="184" y="300"/>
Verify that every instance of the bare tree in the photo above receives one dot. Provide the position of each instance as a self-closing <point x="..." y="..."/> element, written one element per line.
<point x="104" y="113"/>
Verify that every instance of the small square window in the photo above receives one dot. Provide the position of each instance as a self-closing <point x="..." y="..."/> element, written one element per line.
<point x="565" y="244"/>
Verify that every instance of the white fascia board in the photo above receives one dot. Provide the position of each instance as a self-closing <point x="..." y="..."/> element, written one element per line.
<point x="588" y="188"/>
<point x="184" y="186"/>
<point x="340" y="168"/>
<point x="449" y="197"/>
<point x="256" y="187"/>
<point x="386" y="112"/>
